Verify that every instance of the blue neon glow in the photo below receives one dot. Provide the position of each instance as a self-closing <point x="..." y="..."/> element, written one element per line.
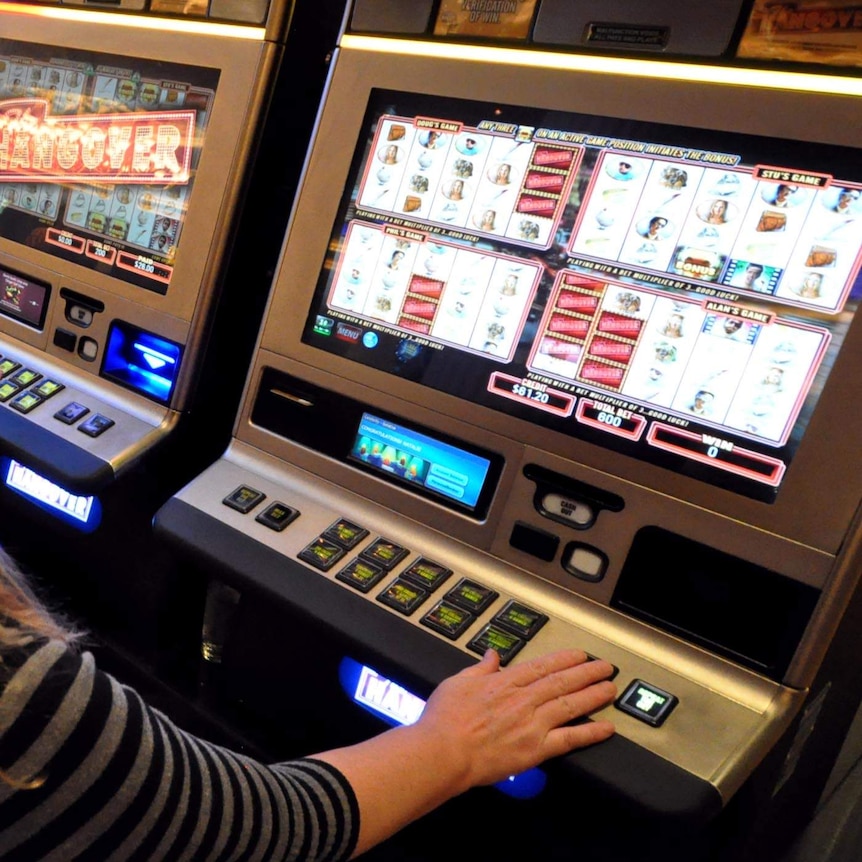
<point x="82" y="512"/>
<point x="141" y="360"/>
<point x="152" y="357"/>
<point x="415" y="457"/>
<point x="396" y="705"/>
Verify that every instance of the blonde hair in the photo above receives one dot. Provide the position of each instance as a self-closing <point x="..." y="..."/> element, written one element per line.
<point x="23" y="615"/>
<point x="23" y="619"/>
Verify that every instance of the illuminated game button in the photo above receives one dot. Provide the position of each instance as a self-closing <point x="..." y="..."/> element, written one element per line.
<point x="360" y="574"/>
<point x="25" y="377"/>
<point x="7" y="366"/>
<point x="403" y="596"/>
<point x="97" y="424"/>
<point x="7" y="390"/>
<point x="346" y="533"/>
<point x="385" y="553"/>
<point x="277" y="516"/>
<point x="646" y="702"/>
<point x="426" y="573"/>
<point x="505" y="643"/>
<point x="520" y="619"/>
<point x="244" y="499"/>
<point x="471" y="596"/>
<point x="71" y="413"/>
<point x="47" y="388"/>
<point x="448" y="619"/>
<point x="322" y="554"/>
<point x="25" y="402"/>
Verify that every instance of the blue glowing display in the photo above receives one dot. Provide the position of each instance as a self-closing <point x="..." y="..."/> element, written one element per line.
<point x="396" y="705"/>
<point x="82" y="512"/>
<point x="142" y="361"/>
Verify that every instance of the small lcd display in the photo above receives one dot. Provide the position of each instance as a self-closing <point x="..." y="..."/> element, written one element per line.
<point x="431" y="464"/>
<point x="23" y="299"/>
<point x="98" y="155"/>
<point x="675" y="294"/>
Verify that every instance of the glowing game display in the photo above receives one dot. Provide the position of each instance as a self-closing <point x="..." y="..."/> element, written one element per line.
<point x="98" y="156"/>
<point x="675" y="294"/>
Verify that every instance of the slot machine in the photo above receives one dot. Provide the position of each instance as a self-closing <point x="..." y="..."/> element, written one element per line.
<point x="136" y="251"/>
<point x="561" y="351"/>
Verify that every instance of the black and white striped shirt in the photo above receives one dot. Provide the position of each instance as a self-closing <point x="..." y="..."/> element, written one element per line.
<point x="122" y="783"/>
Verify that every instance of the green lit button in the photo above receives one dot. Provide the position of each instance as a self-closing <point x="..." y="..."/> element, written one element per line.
<point x="25" y="402"/>
<point x="47" y="388"/>
<point x="403" y="596"/>
<point x="426" y="573"/>
<point x="471" y="595"/>
<point x="448" y="619"/>
<point x="385" y="553"/>
<point x="322" y="554"/>
<point x="346" y="533"/>
<point x="520" y="619"/>
<point x="505" y="643"/>
<point x="360" y="574"/>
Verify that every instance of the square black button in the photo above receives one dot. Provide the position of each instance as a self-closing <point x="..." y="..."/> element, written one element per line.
<point x="360" y="574"/>
<point x="277" y="516"/>
<point x="244" y="499"/>
<point x="7" y="366"/>
<point x="538" y="543"/>
<point x="385" y="553"/>
<point x="8" y="389"/>
<point x="403" y="596"/>
<point x="47" y="388"/>
<point x="492" y="637"/>
<point x="346" y="533"/>
<point x="25" y="402"/>
<point x="97" y="424"/>
<point x="426" y="573"/>
<point x="25" y="377"/>
<point x="71" y="413"/>
<point x="647" y="702"/>
<point x="448" y="619"/>
<point x="471" y="596"/>
<point x="322" y="554"/>
<point x="520" y="619"/>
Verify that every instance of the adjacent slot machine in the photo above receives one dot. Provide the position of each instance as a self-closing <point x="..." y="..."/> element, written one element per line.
<point x="562" y="351"/>
<point x="137" y="242"/>
<point x="127" y="147"/>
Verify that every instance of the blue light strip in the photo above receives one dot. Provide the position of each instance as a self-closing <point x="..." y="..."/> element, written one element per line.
<point x="396" y="705"/>
<point x="82" y="512"/>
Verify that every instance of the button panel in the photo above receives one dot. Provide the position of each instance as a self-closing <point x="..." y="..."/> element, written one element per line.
<point x="25" y="389"/>
<point x="418" y="583"/>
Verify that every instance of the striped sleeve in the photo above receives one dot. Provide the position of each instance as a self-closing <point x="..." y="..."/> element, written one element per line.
<point x="121" y="783"/>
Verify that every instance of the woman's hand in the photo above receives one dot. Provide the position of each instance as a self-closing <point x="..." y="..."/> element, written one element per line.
<point x="501" y="722"/>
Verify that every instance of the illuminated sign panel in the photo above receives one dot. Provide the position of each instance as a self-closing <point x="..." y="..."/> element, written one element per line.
<point x="99" y="156"/>
<point x="83" y="512"/>
<point x="134" y="148"/>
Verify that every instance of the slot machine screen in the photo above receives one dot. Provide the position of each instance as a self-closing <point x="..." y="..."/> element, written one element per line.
<point x="98" y="155"/>
<point x="675" y="294"/>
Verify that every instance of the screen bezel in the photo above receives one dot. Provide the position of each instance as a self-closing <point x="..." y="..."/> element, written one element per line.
<point x="725" y="455"/>
<point x="810" y="507"/>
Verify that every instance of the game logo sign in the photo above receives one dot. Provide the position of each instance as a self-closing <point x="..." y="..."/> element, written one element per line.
<point x="98" y="157"/>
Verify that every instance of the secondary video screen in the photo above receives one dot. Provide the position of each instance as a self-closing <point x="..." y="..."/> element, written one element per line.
<point x="675" y="294"/>
<point x="98" y="156"/>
